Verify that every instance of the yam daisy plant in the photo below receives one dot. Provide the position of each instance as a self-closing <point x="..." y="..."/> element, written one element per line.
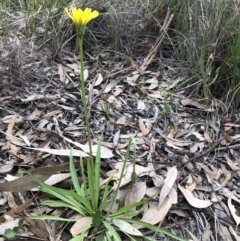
<point x="97" y="220"/>
<point x="81" y="18"/>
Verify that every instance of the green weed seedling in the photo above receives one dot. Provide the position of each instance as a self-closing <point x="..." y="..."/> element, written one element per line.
<point x="11" y="233"/>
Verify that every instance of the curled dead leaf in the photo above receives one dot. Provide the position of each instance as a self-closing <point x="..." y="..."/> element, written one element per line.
<point x="193" y="201"/>
<point x="233" y="211"/>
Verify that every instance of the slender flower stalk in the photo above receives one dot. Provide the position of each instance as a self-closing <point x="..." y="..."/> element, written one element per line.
<point x="81" y="18"/>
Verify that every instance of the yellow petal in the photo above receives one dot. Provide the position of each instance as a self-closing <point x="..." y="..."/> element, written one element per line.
<point x="67" y="12"/>
<point x="81" y="17"/>
<point x="94" y="14"/>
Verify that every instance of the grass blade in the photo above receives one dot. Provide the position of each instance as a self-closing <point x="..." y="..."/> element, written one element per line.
<point x="74" y="174"/>
<point x="112" y="231"/>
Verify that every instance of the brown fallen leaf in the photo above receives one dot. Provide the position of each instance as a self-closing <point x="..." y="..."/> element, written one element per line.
<point x="38" y="228"/>
<point x="154" y="214"/>
<point x="194" y="103"/>
<point x="40" y="96"/>
<point x="194" y="238"/>
<point x="99" y="80"/>
<point x="168" y="184"/>
<point x="81" y="225"/>
<point x="26" y="183"/>
<point x="34" y="116"/>
<point x="206" y="232"/>
<point x="193" y="201"/>
<point x="9" y="133"/>
<point x="105" y="152"/>
<point x="110" y="85"/>
<point x="61" y="73"/>
<point x="62" y="152"/>
<point x="116" y="138"/>
<point x="224" y="233"/>
<point x="145" y="127"/>
<point x="6" y="168"/>
<point x="207" y="137"/>
<point x="234" y="233"/>
<point x="136" y="192"/>
<point x="22" y="184"/>
<point x="233" y="211"/>
<point x="16" y="210"/>
<point x="174" y="142"/>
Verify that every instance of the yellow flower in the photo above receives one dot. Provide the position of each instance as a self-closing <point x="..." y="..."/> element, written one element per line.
<point x="80" y="17"/>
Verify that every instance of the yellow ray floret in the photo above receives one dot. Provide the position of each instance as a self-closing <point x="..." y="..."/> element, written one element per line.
<point x="82" y="17"/>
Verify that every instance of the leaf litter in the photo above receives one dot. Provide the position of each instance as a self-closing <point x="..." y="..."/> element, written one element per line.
<point x="187" y="157"/>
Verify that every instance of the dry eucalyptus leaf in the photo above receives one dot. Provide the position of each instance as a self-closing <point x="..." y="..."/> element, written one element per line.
<point x="81" y="225"/>
<point x="206" y="233"/>
<point x="22" y="184"/>
<point x="145" y="127"/>
<point x="140" y="171"/>
<point x="61" y="73"/>
<point x="136" y="193"/>
<point x="154" y="214"/>
<point x="233" y="211"/>
<point x="99" y="79"/>
<point x="40" y="96"/>
<point x="224" y="233"/>
<point x="6" y="168"/>
<point x="168" y="184"/>
<point x="207" y="137"/>
<point x="116" y="138"/>
<point x="194" y="103"/>
<point x="234" y="233"/>
<point x="110" y="85"/>
<point x="193" y="201"/>
<point x="194" y="238"/>
<point x="153" y="83"/>
<point x="61" y="152"/>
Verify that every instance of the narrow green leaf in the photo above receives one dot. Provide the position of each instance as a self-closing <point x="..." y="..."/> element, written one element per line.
<point x="107" y="236"/>
<point x="83" y="186"/>
<point x="125" y="209"/>
<point x="112" y="231"/>
<point x="154" y="228"/>
<point x="90" y="170"/>
<point x="97" y="218"/>
<point x="80" y="237"/>
<point x="74" y="174"/>
<point x="121" y="176"/>
<point x="64" y="195"/>
<point x="55" y="204"/>
<point x="106" y="195"/>
<point x="100" y="237"/>
<point x="134" y="174"/>
<point x="50" y="217"/>
<point x="97" y="172"/>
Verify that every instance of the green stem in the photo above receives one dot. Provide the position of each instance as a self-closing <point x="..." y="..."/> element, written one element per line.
<point x="82" y="84"/>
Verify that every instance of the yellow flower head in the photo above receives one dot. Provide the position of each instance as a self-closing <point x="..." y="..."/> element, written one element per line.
<point x="82" y="17"/>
